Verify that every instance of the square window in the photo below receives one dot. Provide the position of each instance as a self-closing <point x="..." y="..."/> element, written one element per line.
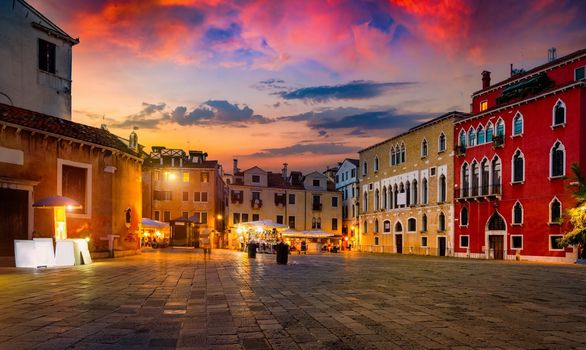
<point x="334" y="202"/>
<point x="204" y="196"/>
<point x="255" y="217"/>
<point x="236" y="218"/>
<point x="424" y="242"/>
<point x="316" y="183"/>
<point x="185" y="196"/>
<point x="432" y="171"/>
<point x="196" y="196"/>
<point x="244" y="217"/>
<point x="185" y="214"/>
<point x="291" y="199"/>
<point x="157" y="215"/>
<point x="256" y="179"/>
<point x="166" y="216"/>
<point x="279" y="219"/>
<point x="464" y="241"/>
<point x="517" y="242"/>
<point x="554" y="242"/>
<point x="483" y="105"/>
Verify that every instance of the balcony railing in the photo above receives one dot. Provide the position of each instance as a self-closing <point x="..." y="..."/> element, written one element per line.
<point x="460" y="150"/>
<point x="479" y="191"/>
<point x="256" y="203"/>
<point x="316" y="206"/>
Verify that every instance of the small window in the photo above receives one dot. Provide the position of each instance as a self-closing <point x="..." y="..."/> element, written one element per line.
<point x="464" y="216"/>
<point x="424" y="148"/>
<point x="376" y="240"/>
<point x="291" y="199"/>
<point x="244" y="217"/>
<point x="480" y="135"/>
<point x="315" y="183"/>
<point x="334" y="202"/>
<point x="559" y="113"/>
<point x="157" y="215"/>
<point x="280" y="219"/>
<point x="166" y="216"/>
<point x="432" y="171"/>
<point x="204" y="196"/>
<point x="338" y="178"/>
<point x="205" y="177"/>
<point x="442" y="143"/>
<point x="424" y="242"/>
<point x="256" y="179"/>
<point x="411" y="225"/>
<point x="462" y="138"/>
<point x="424" y="223"/>
<point x="555" y="212"/>
<point x="255" y="217"/>
<point x="464" y="241"/>
<point x="500" y="128"/>
<point x="471" y="137"/>
<point x="517" y="214"/>
<point x="364" y="169"/>
<point x="554" y="242"/>
<point x="386" y="226"/>
<point x="557" y="160"/>
<point x="517" y="242"/>
<point x="579" y="73"/>
<point x="518" y="167"/>
<point x="185" y="196"/>
<point x="204" y="218"/>
<point x="185" y="177"/>
<point x="185" y="214"/>
<point x="256" y="196"/>
<point x="47" y="56"/>
<point x="236" y="218"/>
<point x="334" y="224"/>
<point x="292" y="222"/>
<point x="441" y="224"/>
<point x="353" y="173"/>
<point x="196" y="196"/>
<point x="483" y="105"/>
<point x="518" y="124"/>
<point x="376" y="228"/>
<point x="489" y="132"/>
<point x="375" y="164"/>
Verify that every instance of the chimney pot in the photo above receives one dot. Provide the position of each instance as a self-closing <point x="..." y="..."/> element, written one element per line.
<point x="485" y="79"/>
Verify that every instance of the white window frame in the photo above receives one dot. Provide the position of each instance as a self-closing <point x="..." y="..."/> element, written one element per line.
<point x="555" y="198"/>
<point x="426" y="148"/>
<point x="473" y="143"/>
<point x="513" y="167"/>
<point x="426" y="242"/>
<point x="513" y="223"/>
<point x="411" y="231"/>
<point x="460" y="138"/>
<point x="439" y="142"/>
<point x="468" y="221"/>
<point x="549" y="243"/>
<point x="490" y="126"/>
<point x="480" y="127"/>
<point x="576" y="70"/>
<point x="87" y="206"/>
<point x="501" y="121"/>
<point x="385" y="232"/>
<point x="460" y="241"/>
<point x="522" y="242"/>
<point x="518" y="115"/>
<point x="553" y="124"/>
<point x="395" y="225"/>
<point x="563" y="148"/>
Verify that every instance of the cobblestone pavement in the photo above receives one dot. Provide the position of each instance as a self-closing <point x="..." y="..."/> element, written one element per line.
<point x="177" y="299"/>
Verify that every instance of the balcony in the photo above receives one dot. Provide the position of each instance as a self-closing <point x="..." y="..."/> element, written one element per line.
<point x="460" y="150"/>
<point x="280" y="200"/>
<point x="316" y="206"/>
<point x="256" y="203"/>
<point x="478" y="192"/>
<point x="498" y="141"/>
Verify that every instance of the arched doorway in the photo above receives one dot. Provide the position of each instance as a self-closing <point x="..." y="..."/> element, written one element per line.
<point x="496" y="231"/>
<point x="398" y="237"/>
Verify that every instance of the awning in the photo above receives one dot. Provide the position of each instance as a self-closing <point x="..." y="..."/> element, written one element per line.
<point x="263" y="224"/>
<point x="57" y="201"/>
<point x="146" y="222"/>
<point x="307" y="234"/>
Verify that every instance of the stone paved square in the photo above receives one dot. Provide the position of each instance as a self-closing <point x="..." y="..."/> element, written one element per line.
<point x="174" y="298"/>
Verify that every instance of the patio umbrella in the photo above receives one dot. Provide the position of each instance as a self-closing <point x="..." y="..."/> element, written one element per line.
<point x="59" y="204"/>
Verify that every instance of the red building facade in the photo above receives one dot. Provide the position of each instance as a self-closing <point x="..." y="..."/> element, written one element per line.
<point x="513" y="163"/>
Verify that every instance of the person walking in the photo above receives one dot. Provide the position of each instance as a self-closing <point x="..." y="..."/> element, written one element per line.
<point x="205" y="242"/>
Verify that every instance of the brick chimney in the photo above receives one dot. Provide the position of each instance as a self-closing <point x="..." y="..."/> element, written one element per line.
<point x="485" y="79"/>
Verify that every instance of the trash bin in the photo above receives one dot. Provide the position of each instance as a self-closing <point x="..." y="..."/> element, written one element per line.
<point x="282" y="253"/>
<point x="252" y="250"/>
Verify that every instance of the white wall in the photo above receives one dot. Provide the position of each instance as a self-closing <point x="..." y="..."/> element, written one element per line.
<point x="25" y="85"/>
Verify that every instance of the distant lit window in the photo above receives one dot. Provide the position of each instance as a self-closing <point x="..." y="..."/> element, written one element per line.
<point x="483" y="105"/>
<point x="185" y="177"/>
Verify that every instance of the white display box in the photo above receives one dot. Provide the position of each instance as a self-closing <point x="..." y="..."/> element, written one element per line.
<point x="25" y="254"/>
<point x="45" y="253"/>
<point x="65" y="253"/>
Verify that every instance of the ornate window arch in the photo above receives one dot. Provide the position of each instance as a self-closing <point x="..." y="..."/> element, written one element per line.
<point x="489" y="132"/>
<point x="441" y="146"/>
<point x="424" y="148"/>
<point x="555" y="211"/>
<point x="518" y="124"/>
<point x="557" y="160"/>
<point x="424" y="223"/>
<point x="376" y="199"/>
<point x="411" y="225"/>
<point x="441" y="222"/>
<point x="518" y="167"/>
<point x="393" y="156"/>
<point x="398" y="226"/>
<point x="517" y="214"/>
<point x="424" y="191"/>
<point x="385" y="204"/>
<point x="464" y="216"/>
<point x="403" y="153"/>
<point x="496" y="174"/>
<point x="480" y="135"/>
<point x="442" y="188"/>
<point x="500" y="127"/>
<point x="462" y="138"/>
<point x="376" y="165"/>
<point x="558" y="113"/>
<point x="471" y="137"/>
<point x="414" y="190"/>
<point x="465" y="180"/>
<point x="365" y="206"/>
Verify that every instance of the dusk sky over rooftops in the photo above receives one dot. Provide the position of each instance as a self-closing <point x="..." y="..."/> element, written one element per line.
<point x="303" y="82"/>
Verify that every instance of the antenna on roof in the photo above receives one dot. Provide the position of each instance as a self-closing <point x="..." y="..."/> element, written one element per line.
<point x="552" y="54"/>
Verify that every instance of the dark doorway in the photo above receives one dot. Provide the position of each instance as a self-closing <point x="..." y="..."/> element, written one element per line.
<point x="179" y="234"/>
<point x="442" y="246"/>
<point x="399" y="243"/>
<point x="13" y="219"/>
<point x="497" y="246"/>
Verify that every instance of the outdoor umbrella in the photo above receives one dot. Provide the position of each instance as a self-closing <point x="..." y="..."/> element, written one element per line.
<point x="59" y="204"/>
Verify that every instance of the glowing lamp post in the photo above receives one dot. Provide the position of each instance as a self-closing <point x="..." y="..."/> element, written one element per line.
<point x="59" y="204"/>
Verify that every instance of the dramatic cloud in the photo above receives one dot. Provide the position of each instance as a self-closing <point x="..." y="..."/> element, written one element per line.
<point x="210" y="113"/>
<point x="305" y="149"/>
<point x="359" y="119"/>
<point x="355" y="90"/>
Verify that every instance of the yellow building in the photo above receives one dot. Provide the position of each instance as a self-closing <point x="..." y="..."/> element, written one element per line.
<point x="303" y="203"/>
<point x="184" y="185"/>
<point x="406" y="188"/>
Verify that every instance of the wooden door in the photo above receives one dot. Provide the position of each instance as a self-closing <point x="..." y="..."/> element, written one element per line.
<point x="13" y="219"/>
<point x="442" y="246"/>
<point x="179" y="235"/>
<point x="497" y="246"/>
<point x="399" y="243"/>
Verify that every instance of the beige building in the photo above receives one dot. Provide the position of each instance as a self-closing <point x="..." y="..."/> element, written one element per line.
<point x="347" y="184"/>
<point x="303" y="203"/>
<point x="179" y="185"/>
<point x="406" y="188"/>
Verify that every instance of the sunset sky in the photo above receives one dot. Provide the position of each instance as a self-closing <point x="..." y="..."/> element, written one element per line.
<point x="303" y="82"/>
